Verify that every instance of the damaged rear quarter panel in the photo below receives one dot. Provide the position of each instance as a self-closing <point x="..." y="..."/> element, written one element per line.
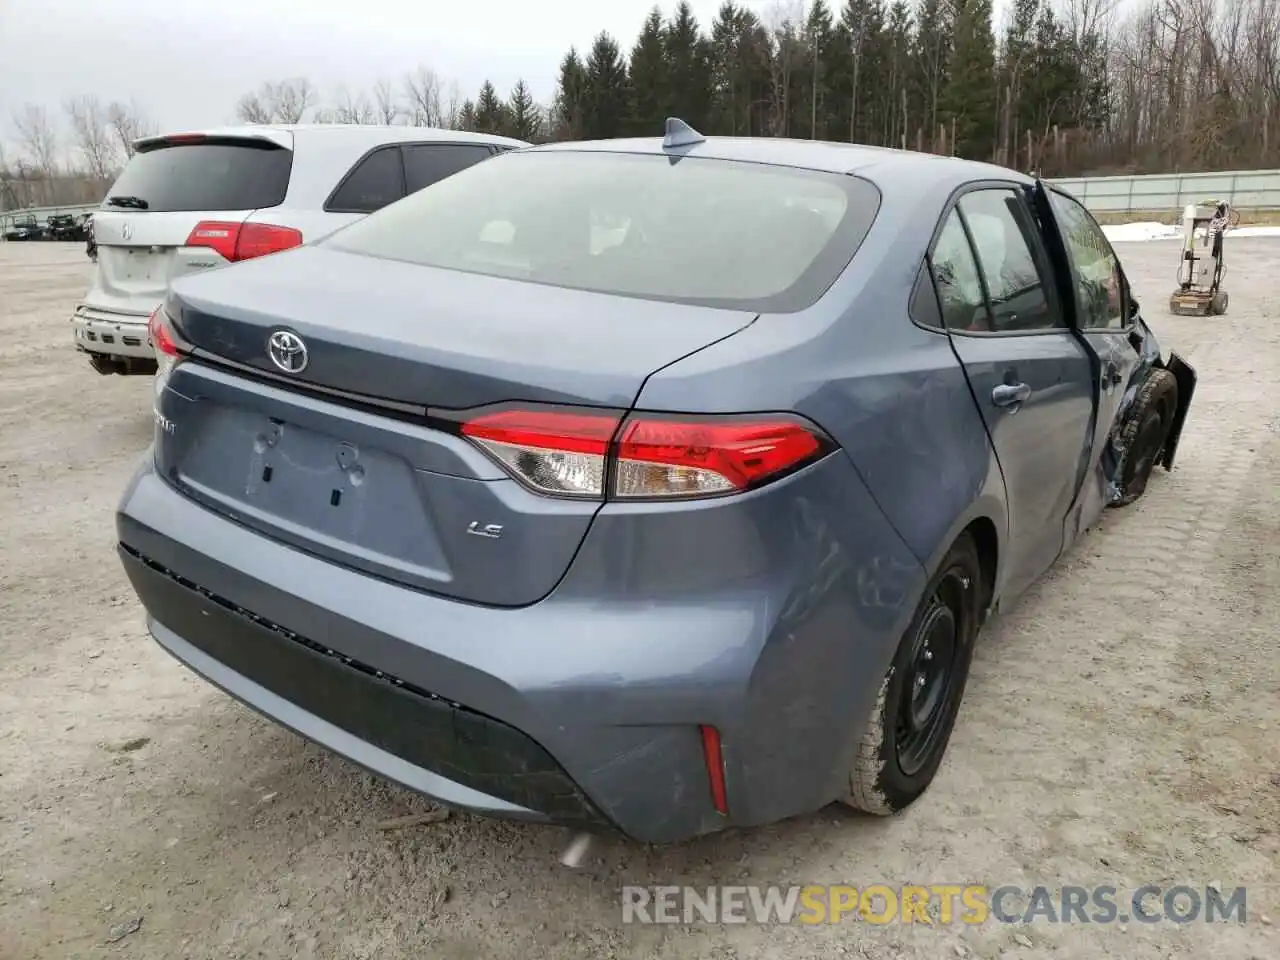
<point x="1150" y="358"/>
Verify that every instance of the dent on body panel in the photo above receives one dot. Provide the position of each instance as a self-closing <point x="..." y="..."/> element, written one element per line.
<point x="909" y="425"/>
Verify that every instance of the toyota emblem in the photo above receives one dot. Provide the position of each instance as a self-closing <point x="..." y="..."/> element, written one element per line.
<point x="126" y="231"/>
<point x="287" y="351"/>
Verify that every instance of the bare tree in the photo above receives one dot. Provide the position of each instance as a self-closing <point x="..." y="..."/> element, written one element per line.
<point x="451" y="118"/>
<point x="37" y="139"/>
<point x="385" y="102"/>
<point x="422" y="94"/>
<point x="251" y="108"/>
<point x="128" y="123"/>
<point x="353" y="109"/>
<point x="291" y="99"/>
<point x="284" y="101"/>
<point x="91" y="130"/>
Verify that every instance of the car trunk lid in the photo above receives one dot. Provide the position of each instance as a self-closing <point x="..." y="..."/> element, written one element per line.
<point x="346" y="458"/>
<point x="430" y="337"/>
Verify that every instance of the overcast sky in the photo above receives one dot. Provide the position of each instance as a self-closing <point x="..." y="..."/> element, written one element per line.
<point x="187" y="62"/>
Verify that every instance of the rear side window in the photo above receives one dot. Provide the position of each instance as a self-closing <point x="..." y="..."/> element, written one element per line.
<point x="701" y="231"/>
<point x="1011" y="260"/>
<point x="376" y="181"/>
<point x="425" y="164"/>
<point x="211" y="175"/>
<point x="955" y="273"/>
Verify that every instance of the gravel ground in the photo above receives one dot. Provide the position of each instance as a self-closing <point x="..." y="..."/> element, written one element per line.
<point x="1121" y="725"/>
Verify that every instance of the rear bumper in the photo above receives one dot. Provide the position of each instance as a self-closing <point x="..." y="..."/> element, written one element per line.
<point x="113" y="334"/>
<point x="437" y="747"/>
<point x="582" y="709"/>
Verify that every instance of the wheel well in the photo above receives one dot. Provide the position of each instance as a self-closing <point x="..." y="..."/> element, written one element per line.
<point x="983" y="532"/>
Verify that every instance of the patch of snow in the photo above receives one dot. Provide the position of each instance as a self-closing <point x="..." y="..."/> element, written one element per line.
<point x="1254" y="232"/>
<point x="1135" y="232"/>
<point x="1149" y="230"/>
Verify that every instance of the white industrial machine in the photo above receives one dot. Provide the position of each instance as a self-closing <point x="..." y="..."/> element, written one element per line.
<point x="1200" y="268"/>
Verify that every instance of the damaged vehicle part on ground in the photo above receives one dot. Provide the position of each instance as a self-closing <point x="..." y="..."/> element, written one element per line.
<point x="587" y="505"/>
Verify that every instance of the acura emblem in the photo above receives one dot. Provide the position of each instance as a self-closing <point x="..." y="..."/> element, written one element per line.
<point x="126" y="231"/>
<point x="287" y="351"/>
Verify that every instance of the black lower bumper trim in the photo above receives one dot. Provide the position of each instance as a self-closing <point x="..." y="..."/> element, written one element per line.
<point x="419" y="727"/>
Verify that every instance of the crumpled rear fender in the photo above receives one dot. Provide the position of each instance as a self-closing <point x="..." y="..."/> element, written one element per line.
<point x="1186" y="376"/>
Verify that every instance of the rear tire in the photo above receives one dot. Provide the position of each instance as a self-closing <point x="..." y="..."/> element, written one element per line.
<point x="1218" y="304"/>
<point x="919" y="699"/>
<point x="1143" y="433"/>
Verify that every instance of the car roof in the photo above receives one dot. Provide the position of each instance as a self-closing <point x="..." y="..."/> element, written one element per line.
<point x="286" y="134"/>
<point x="885" y="166"/>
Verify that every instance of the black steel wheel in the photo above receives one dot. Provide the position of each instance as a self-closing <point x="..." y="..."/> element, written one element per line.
<point x="919" y="700"/>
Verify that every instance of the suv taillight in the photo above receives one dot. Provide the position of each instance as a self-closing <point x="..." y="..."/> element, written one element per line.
<point x="583" y="454"/>
<point x="243" y="241"/>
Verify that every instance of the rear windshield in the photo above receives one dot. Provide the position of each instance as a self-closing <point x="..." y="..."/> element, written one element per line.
<point x="244" y="175"/>
<point x="698" y="230"/>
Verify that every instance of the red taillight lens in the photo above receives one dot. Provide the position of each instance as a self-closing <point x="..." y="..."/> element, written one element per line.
<point x="552" y="451"/>
<point x="686" y="457"/>
<point x="161" y="336"/>
<point x="243" y="241"/>
<point x="576" y="453"/>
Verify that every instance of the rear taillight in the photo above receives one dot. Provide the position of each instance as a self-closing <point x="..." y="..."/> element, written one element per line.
<point x="161" y="334"/>
<point x="696" y="457"/>
<point x="644" y="456"/>
<point x="243" y="241"/>
<point x="169" y="347"/>
<point x="552" y="451"/>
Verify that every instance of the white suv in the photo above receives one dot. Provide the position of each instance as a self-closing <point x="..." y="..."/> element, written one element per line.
<point x="196" y="201"/>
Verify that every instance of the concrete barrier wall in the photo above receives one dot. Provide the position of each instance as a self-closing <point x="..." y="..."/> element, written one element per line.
<point x="1246" y="190"/>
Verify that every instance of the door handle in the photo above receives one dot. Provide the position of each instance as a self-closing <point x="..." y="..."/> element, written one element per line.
<point x="1009" y="394"/>
<point x="1113" y="374"/>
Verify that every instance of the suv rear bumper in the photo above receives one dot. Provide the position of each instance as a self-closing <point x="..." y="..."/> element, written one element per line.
<point x="113" y="334"/>
<point x="582" y="709"/>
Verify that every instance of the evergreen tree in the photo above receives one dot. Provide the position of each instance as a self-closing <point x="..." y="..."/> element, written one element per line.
<point x="650" y="87"/>
<point x="607" y="95"/>
<point x="524" y="120"/>
<point x="1053" y="84"/>
<point x="570" y="105"/>
<point x="491" y="113"/>
<point x="467" y="116"/>
<point x="898" y="46"/>
<point x="932" y="58"/>
<point x="688" y="58"/>
<point x="969" y="99"/>
<point x="740" y="58"/>
<point x="899" y="73"/>
<point x="863" y="82"/>
<point x="815" y="97"/>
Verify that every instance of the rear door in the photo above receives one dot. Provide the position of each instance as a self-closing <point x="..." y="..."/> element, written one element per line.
<point x="1029" y="374"/>
<point x="1100" y="294"/>
<point x="168" y="187"/>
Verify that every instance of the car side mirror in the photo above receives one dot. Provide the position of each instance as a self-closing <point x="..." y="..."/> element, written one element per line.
<point x="1135" y="308"/>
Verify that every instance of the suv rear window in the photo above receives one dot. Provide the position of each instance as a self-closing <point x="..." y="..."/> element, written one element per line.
<point x="698" y="230"/>
<point x="211" y="175"/>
